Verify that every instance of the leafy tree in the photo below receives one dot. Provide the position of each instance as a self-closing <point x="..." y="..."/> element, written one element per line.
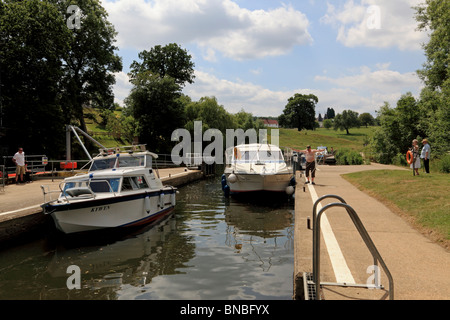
<point x="330" y="113"/>
<point x="398" y="127"/>
<point x="212" y="115"/>
<point x="90" y="63"/>
<point x="156" y="101"/>
<point x="245" y="121"/>
<point x="327" y="123"/>
<point x="348" y="119"/>
<point x="366" y="119"/>
<point x="34" y="40"/>
<point x="169" y="60"/>
<point x="299" y="112"/>
<point x="434" y="15"/>
<point x="155" y="104"/>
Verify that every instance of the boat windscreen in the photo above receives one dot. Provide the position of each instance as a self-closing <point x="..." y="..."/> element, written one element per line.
<point x="131" y="161"/>
<point x="102" y="164"/>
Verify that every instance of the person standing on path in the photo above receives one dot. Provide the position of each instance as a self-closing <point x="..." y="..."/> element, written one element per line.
<point x="19" y="161"/>
<point x="415" y="165"/>
<point x="425" y="155"/>
<point x="310" y="156"/>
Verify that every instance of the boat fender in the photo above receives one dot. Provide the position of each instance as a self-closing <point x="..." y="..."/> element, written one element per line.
<point x="232" y="178"/>
<point x="409" y="157"/>
<point x="147" y="203"/>
<point x="172" y="199"/>
<point x="292" y="182"/>
<point x="290" y="190"/>
<point x="161" y="200"/>
<point x="224" y="182"/>
<point x="226" y="190"/>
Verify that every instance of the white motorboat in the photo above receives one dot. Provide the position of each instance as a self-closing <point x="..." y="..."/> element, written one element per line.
<point x="121" y="189"/>
<point x="257" y="167"/>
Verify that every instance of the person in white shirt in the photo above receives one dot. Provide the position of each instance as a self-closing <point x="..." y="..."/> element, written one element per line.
<point x="19" y="160"/>
<point x="425" y="155"/>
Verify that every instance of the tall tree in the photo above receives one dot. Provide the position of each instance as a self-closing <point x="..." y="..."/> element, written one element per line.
<point x="156" y="106"/>
<point x="155" y="100"/>
<point x="330" y="113"/>
<point x="34" y="40"/>
<point x="171" y="60"/>
<point x="300" y="112"/>
<point x="434" y="16"/>
<point x="90" y="63"/>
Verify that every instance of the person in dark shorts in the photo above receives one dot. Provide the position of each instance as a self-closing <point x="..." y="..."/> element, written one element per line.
<point x="310" y="156"/>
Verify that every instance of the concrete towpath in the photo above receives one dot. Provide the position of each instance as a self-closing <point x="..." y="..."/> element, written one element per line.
<point x="419" y="267"/>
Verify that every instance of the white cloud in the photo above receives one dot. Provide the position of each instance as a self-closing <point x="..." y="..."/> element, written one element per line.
<point x="217" y="25"/>
<point x="376" y="23"/>
<point x="367" y="90"/>
<point x="380" y="80"/>
<point x="237" y="95"/>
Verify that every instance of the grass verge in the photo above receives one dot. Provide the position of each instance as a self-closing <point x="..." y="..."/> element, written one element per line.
<point x="423" y="200"/>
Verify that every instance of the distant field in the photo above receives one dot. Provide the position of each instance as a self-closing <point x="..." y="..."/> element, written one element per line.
<point x="325" y="137"/>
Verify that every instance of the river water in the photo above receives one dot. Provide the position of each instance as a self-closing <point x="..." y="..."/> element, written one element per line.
<point x="210" y="248"/>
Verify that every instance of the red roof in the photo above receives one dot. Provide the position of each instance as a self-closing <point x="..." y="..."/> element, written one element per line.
<point x="269" y="121"/>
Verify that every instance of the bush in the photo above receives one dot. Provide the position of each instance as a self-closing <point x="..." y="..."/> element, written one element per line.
<point x="400" y="159"/>
<point x="348" y="157"/>
<point x="444" y="165"/>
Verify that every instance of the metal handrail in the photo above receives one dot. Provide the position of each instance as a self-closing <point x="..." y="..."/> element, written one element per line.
<point x="314" y="223"/>
<point x="364" y="235"/>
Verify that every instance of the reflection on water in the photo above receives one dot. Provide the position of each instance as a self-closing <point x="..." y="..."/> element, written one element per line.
<point x="209" y="248"/>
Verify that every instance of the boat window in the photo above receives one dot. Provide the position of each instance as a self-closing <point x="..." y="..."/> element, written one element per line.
<point x="101" y="164"/>
<point x="131" y="161"/>
<point x="148" y="161"/>
<point x="75" y="184"/>
<point x="106" y="185"/>
<point x="268" y="155"/>
<point x="134" y="183"/>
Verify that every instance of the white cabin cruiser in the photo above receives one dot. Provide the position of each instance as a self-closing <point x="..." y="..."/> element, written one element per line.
<point x="257" y="167"/>
<point x="121" y="189"/>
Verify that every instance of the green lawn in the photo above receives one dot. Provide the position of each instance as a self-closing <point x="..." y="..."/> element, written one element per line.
<point x="423" y="199"/>
<point x="325" y="137"/>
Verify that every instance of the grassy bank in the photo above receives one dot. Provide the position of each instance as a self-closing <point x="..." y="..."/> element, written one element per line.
<point x="423" y="200"/>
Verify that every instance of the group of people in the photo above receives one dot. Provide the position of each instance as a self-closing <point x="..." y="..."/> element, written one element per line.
<point x="424" y="154"/>
<point x="310" y="155"/>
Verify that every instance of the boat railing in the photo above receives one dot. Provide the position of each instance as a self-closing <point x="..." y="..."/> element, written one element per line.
<point x="123" y="149"/>
<point x="83" y="192"/>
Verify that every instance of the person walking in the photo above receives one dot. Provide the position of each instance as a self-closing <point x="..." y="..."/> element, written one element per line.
<point x="19" y="161"/>
<point x="425" y="155"/>
<point x="310" y="156"/>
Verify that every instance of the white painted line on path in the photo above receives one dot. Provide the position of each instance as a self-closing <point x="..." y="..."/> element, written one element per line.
<point x="18" y="210"/>
<point x="340" y="268"/>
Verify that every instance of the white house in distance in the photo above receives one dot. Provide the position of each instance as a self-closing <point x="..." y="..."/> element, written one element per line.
<point x="270" y="123"/>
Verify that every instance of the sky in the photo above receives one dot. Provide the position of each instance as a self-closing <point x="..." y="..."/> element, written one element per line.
<point x="253" y="55"/>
